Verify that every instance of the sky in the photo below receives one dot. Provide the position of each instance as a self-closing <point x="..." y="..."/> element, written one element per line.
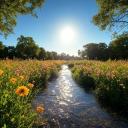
<point x="61" y="26"/>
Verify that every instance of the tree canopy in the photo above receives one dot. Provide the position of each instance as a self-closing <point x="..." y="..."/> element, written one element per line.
<point x="26" y="47"/>
<point x="10" y="9"/>
<point x="112" y="13"/>
<point x="117" y="49"/>
<point x="96" y="51"/>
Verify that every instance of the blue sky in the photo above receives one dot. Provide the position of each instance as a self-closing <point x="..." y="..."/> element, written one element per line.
<point x="55" y="15"/>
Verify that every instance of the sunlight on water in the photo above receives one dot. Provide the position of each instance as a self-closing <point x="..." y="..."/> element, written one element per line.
<point x="69" y="106"/>
<point x="63" y="103"/>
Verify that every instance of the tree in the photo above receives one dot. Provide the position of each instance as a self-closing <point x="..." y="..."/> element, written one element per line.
<point x="11" y="52"/>
<point x="26" y="48"/>
<point x="48" y="55"/>
<point x="1" y="45"/>
<point x="51" y="55"/>
<point x="95" y="51"/>
<point x="82" y="54"/>
<point x="119" y="47"/>
<point x="79" y="53"/>
<point x="10" y="9"/>
<point x="54" y="54"/>
<point x="1" y="50"/>
<point x="91" y="50"/>
<point x="42" y="54"/>
<point x="63" y="56"/>
<point x="102" y="51"/>
<point x="111" y="13"/>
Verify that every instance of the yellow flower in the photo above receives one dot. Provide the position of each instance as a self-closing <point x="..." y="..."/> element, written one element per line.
<point x="22" y="91"/>
<point x="21" y="77"/>
<point x="1" y="72"/>
<point x="30" y="85"/>
<point x="40" y="109"/>
<point x="13" y="80"/>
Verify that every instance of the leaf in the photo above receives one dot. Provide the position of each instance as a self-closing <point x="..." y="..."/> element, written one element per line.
<point x="4" y="126"/>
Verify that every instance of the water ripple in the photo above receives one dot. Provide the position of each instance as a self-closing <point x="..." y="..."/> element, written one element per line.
<point x="69" y="106"/>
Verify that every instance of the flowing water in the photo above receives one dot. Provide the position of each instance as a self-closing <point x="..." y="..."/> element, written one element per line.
<point x="67" y="105"/>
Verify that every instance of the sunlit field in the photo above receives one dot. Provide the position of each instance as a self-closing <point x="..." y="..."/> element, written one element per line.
<point x="63" y="63"/>
<point x="19" y="83"/>
<point x="108" y="80"/>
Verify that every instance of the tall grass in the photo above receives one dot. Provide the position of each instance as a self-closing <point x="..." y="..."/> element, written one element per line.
<point x="109" y="80"/>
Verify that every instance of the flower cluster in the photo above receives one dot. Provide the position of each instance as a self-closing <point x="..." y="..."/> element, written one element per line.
<point x="19" y="83"/>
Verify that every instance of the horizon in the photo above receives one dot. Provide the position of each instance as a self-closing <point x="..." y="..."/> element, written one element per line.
<point x="49" y="29"/>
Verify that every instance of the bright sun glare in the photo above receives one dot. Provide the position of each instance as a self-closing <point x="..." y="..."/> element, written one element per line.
<point x="67" y="34"/>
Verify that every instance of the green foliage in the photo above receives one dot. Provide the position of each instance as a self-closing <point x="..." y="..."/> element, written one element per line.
<point x="42" y="53"/>
<point x="83" y="79"/>
<point x="26" y="47"/>
<point x="1" y="49"/>
<point x="95" y="51"/>
<point x="1" y="45"/>
<point x="49" y="55"/>
<point x="111" y="13"/>
<point x="119" y="46"/>
<point x="10" y="9"/>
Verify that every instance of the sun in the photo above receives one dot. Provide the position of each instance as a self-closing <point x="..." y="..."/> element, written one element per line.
<point x="67" y="34"/>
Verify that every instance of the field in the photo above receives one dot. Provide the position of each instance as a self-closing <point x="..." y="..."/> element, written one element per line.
<point x="108" y="80"/>
<point x="19" y="83"/>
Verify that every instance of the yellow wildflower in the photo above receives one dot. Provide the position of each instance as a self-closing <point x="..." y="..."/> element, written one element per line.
<point x="22" y="91"/>
<point x="21" y="77"/>
<point x="30" y="85"/>
<point x="40" y="109"/>
<point x="13" y="80"/>
<point x="1" y="72"/>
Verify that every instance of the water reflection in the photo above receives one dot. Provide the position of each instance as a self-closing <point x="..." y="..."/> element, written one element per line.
<point x="69" y="106"/>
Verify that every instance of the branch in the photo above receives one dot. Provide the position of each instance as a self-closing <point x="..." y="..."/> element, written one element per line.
<point x="122" y="21"/>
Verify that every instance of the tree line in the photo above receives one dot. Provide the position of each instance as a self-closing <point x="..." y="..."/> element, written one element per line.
<point x="27" y="48"/>
<point x="112" y="14"/>
<point x="117" y="49"/>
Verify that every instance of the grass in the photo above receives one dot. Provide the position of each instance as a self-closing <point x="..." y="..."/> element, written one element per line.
<point x="108" y="80"/>
<point x="19" y="83"/>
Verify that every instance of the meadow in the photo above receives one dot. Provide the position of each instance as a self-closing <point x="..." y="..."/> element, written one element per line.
<point x="108" y="80"/>
<point x="20" y="81"/>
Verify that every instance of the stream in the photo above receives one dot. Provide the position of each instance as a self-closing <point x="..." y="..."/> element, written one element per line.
<point x="67" y="105"/>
